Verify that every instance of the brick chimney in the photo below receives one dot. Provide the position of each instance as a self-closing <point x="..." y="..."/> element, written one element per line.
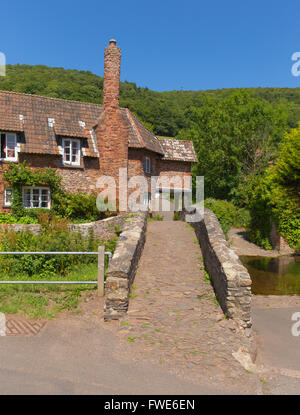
<point x="112" y="130"/>
<point x="111" y="84"/>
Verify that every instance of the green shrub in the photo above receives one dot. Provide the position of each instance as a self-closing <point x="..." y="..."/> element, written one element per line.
<point x="10" y="218"/>
<point x="75" y="206"/>
<point x="227" y="213"/>
<point x="80" y="206"/>
<point x="176" y="215"/>
<point x="117" y="230"/>
<point x="275" y="197"/>
<point x="156" y="218"/>
<point x="54" y="237"/>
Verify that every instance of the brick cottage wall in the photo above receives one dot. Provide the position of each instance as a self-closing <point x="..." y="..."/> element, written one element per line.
<point x="136" y="163"/>
<point x="74" y="179"/>
<point x="160" y="168"/>
<point x="171" y="168"/>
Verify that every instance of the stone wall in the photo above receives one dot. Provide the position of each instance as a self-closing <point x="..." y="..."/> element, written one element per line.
<point x="103" y="229"/>
<point x="18" y="227"/>
<point x="230" y="279"/>
<point x="122" y="267"/>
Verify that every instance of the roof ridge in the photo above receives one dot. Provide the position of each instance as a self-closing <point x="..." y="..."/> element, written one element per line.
<point x="53" y="98"/>
<point x="172" y="139"/>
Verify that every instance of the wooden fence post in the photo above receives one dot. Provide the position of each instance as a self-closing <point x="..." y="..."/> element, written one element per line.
<point x="101" y="271"/>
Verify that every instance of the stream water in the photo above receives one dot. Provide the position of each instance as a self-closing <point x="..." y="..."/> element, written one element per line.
<point x="274" y="276"/>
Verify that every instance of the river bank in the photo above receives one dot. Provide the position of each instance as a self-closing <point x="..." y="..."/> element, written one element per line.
<point x="237" y="238"/>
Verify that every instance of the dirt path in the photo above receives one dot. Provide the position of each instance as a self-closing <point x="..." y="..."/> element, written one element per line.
<point x="174" y="319"/>
<point x="239" y="243"/>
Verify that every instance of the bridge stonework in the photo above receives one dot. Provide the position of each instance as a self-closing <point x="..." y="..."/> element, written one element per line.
<point x="230" y="279"/>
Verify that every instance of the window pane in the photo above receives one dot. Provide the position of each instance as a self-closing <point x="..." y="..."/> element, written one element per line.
<point x="8" y="197"/>
<point x="45" y="198"/>
<point x="35" y="198"/>
<point x="147" y="165"/>
<point x="67" y="150"/>
<point x="26" y="200"/>
<point x="75" y="152"/>
<point x="45" y="193"/>
<point x="10" y="145"/>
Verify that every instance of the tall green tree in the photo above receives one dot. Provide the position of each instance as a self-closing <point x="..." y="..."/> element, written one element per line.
<point x="167" y="112"/>
<point x="276" y="196"/>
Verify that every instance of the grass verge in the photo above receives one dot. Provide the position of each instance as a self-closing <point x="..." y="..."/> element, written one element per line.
<point x="47" y="301"/>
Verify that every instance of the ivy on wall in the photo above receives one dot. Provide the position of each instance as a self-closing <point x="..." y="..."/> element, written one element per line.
<point x="19" y="175"/>
<point x="63" y="204"/>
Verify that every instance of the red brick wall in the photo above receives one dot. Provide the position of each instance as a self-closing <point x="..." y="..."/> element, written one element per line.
<point x="75" y="179"/>
<point x="136" y="163"/>
<point x="84" y="179"/>
<point x="111" y="82"/>
<point x="171" y="168"/>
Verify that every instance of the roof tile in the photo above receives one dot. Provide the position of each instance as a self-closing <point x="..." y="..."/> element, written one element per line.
<point x="42" y="119"/>
<point x="181" y="150"/>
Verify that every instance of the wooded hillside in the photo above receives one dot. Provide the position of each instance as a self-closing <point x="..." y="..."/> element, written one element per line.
<point x="164" y="112"/>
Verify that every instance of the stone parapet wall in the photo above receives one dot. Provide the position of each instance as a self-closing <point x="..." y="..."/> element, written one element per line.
<point x="230" y="279"/>
<point x="123" y="266"/>
<point x="103" y="229"/>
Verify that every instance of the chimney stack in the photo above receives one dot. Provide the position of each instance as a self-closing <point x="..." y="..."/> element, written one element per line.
<point x="111" y="84"/>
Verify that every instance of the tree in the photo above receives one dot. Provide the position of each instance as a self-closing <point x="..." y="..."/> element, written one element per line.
<point x="234" y="137"/>
<point x="276" y="197"/>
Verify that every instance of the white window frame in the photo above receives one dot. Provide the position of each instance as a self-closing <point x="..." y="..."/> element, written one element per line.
<point x="6" y="202"/>
<point x="39" y="188"/>
<point x="148" y="165"/>
<point x="70" y="162"/>
<point x="15" y="158"/>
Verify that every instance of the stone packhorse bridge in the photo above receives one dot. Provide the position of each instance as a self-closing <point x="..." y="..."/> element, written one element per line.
<point x="168" y="254"/>
<point x="160" y="299"/>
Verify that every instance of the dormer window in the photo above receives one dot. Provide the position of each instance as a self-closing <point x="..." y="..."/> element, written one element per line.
<point x="71" y="152"/>
<point x="8" y="143"/>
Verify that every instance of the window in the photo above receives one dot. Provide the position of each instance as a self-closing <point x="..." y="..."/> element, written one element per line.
<point x="71" y="152"/>
<point x="36" y="197"/>
<point x="147" y="165"/>
<point x="8" y="146"/>
<point x="8" y="195"/>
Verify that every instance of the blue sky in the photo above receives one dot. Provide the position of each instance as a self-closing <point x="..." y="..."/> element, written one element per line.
<point x="166" y="44"/>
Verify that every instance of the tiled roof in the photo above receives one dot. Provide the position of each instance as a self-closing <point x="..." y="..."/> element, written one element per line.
<point x="181" y="150"/>
<point x="42" y="119"/>
<point x="139" y="135"/>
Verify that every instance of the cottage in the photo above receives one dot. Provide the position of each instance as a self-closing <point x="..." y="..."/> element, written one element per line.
<point x="83" y="141"/>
